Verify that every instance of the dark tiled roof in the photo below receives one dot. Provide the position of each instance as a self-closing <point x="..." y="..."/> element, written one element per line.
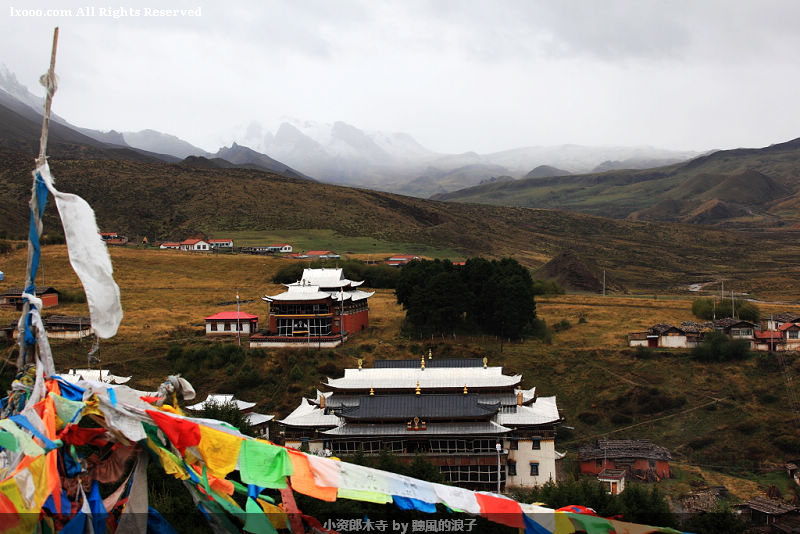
<point x="426" y="407"/>
<point x="729" y="322"/>
<point x="786" y="317"/>
<point x="661" y="328"/>
<point x="67" y="320"/>
<point x="17" y="291"/>
<point x="411" y="364"/>
<point x="624" y="448"/>
<point x="769" y="506"/>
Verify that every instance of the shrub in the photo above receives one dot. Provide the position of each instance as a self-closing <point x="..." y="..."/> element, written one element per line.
<point x="788" y="444"/>
<point x="708" y="308"/>
<point x="643" y="353"/>
<point x="589" y="418"/>
<point x="717" y="347"/>
<point x="562" y="325"/>
<point x="72" y="295"/>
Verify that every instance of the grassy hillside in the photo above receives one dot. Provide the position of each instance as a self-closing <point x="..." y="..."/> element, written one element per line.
<point x="171" y="201"/>
<point x="723" y="422"/>
<point x="758" y="182"/>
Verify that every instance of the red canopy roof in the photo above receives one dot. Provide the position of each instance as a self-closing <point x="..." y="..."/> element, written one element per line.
<point x="231" y="315"/>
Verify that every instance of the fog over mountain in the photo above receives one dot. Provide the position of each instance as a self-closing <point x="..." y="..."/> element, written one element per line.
<point x="342" y="153"/>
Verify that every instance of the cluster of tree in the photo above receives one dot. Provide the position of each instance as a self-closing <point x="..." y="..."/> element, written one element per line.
<point x="491" y="296"/>
<point x="708" y="308"/>
<point x="379" y="276"/>
<point x="717" y="347"/>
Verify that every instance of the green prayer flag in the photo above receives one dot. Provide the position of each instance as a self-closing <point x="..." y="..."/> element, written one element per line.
<point x="257" y="520"/>
<point x="264" y="464"/>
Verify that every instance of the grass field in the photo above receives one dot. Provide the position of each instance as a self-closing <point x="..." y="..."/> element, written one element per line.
<point x="316" y="239"/>
<point x="724" y="422"/>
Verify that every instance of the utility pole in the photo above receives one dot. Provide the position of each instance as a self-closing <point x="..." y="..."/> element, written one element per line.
<point x="238" y="322"/>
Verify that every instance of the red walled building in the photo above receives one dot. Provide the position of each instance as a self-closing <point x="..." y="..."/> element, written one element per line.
<point x="322" y="308"/>
<point x="638" y="457"/>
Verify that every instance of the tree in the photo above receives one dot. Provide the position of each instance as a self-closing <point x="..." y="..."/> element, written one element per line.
<point x="708" y="308"/>
<point x="717" y="347"/>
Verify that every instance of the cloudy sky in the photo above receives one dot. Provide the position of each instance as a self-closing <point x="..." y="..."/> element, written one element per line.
<point x="457" y="75"/>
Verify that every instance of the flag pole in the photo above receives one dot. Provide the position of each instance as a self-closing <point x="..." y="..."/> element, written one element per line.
<point x="37" y="203"/>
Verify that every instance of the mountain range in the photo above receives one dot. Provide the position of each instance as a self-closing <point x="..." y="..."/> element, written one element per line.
<point x="746" y="188"/>
<point x="344" y="154"/>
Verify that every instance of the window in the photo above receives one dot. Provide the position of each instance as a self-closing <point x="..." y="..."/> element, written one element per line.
<point x="227" y="326"/>
<point x="536" y="444"/>
<point x="213" y="327"/>
<point x="513" y="445"/>
<point x="512" y="468"/>
<point x="534" y="469"/>
<point x="794" y="334"/>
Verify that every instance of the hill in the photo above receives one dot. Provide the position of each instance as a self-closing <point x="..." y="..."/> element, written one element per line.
<point x="756" y="186"/>
<point x="169" y="201"/>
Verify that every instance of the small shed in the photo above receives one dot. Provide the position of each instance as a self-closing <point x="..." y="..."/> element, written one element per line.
<point x="613" y="480"/>
<point x="766" y="511"/>
<point x="231" y="323"/>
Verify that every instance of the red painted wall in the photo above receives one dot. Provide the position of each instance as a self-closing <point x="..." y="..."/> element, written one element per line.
<point x="356" y="322"/>
<point x="589" y="467"/>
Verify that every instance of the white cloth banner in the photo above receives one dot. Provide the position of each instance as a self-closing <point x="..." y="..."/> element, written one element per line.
<point x="89" y="257"/>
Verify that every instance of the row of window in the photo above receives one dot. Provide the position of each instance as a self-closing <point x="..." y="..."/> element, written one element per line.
<point x="300" y="309"/>
<point x="512" y="468"/>
<point x="318" y="326"/>
<point x="227" y="327"/>
<point x="536" y="444"/>
<point x="455" y="474"/>
<point x="433" y="445"/>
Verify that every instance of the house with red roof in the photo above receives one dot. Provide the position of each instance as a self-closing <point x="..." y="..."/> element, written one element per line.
<point x="322" y="255"/>
<point x="231" y="323"/>
<point x="790" y="332"/>
<point x="113" y="238"/>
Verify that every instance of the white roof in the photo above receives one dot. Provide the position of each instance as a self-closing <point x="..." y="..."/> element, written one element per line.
<point x="354" y="295"/>
<point x="543" y="411"/>
<point x="309" y="415"/>
<point x="435" y="377"/>
<point x="296" y="292"/>
<point x="256" y="419"/>
<point x="325" y="278"/>
<point x="221" y="399"/>
<point x="94" y="375"/>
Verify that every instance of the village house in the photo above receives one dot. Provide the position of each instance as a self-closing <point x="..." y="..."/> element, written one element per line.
<point x="113" y="238"/>
<point x="321" y="255"/>
<point x="478" y="425"/>
<point x="231" y="323"/>
<point x="175" y="245"/>
<point x="398" y="260"/>
<point x="195" y="245"/>
<point x="613" y="480"/>
<point x="322" y="309"/>
<point x="281" y="248"/>
<point x="67" y="327"/>
<point x="221" y="244"/>
<point x="765" y="511"/>
<point x="775" y="321"/>
<point x="664" y="335"/>
<point x="12" y="297"/>
<point x="639" y="458"/>
<point x="258" y="421"/>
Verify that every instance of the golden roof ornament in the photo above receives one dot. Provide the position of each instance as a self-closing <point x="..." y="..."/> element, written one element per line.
<point x="485" y="362"/>
<point x="430" y="354"/>
<point x="360" y="362"/>
<point x="371" y="392"/>
<point x="417" y="391"/>
<point x="422" y="363"/>
<point x="465" y="389"/>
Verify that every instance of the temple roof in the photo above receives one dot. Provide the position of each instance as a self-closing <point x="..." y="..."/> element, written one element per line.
<point x="412" y="364"/>
<point x="426" y="407"/>
<point x="542" y="411"/>
<point x="327" y="278"/>
<point x="353" y="294"/>
<point x="222" y="399"/>
<point x="435" y="428"/>
<point x="73" y="376"/>
<point x="430" y="378"/>
<point x="299" y="293"/>
<point x="309" y="415"/>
